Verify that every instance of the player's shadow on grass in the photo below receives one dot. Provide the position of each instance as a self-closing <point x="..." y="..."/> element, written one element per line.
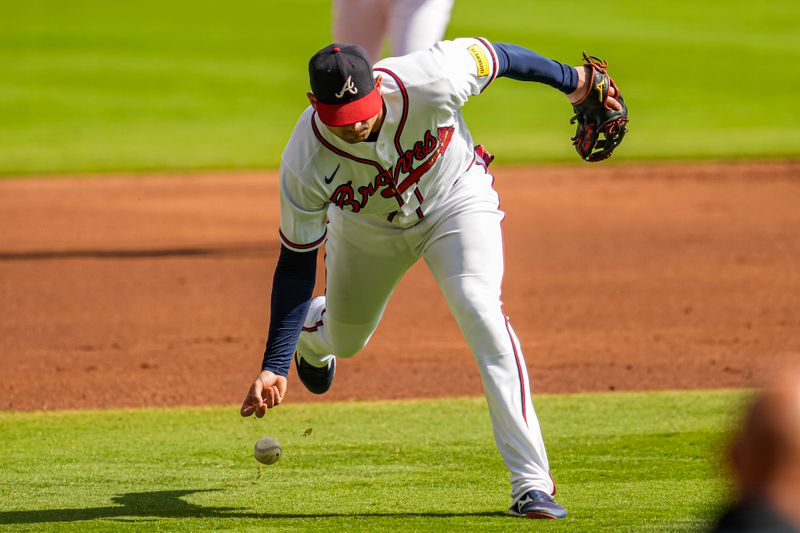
<point x="170" y="504"/>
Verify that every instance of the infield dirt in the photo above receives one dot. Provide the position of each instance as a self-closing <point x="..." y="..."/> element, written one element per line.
<point x="153" y="290"/>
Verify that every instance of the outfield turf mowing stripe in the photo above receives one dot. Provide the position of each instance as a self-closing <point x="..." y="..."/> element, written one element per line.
<point x="623" y="462"/>
<point x="98" y="86"/>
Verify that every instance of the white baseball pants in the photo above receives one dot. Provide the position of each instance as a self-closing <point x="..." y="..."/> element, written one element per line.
<point x="461" y="242"/>
<point x="411" y="25"/>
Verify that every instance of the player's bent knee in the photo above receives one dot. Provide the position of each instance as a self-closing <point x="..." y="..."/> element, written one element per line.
<point x="483" y="323"/>
<point x="470" y="317"/>
<point x="346" y="340"/>
<point x="348" y="347"/>
<point x="473" y="305"/>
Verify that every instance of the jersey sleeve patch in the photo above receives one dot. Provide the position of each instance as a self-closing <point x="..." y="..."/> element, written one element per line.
<point x="480" y="60"/>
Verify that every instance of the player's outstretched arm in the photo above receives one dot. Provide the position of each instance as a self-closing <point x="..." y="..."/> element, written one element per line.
<point x="600" y="111"/>
<point x="292" y="287"/>
<point x="521" y="64"/>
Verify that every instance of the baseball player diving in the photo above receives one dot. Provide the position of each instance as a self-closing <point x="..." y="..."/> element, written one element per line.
<point x="382" y="169"/>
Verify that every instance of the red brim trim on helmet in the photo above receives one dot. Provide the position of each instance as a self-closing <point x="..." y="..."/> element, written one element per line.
<point x="352" y="112"/>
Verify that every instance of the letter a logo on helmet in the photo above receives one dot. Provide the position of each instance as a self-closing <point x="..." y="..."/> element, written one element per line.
<point x="348" y="87"/>
<point x="357" y="99"/>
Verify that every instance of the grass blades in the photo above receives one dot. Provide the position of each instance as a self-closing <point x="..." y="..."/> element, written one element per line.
<point x="96" y="86"/>
<point x="623" y="462"/>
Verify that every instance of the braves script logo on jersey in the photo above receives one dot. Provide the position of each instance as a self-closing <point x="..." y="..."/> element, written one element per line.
<point x="386" y="181"/>
<point x="349" y="87"/>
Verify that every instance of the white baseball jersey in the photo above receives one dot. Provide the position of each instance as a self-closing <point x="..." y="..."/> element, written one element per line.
<point x="403" y="174"/>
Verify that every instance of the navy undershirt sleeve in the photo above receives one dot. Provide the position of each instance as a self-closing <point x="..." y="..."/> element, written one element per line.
<point x="521" y="64"/>
<point x="292" y="287"/>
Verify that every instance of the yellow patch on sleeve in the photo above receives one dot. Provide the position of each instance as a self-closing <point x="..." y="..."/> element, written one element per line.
<point x="480" y="60"/>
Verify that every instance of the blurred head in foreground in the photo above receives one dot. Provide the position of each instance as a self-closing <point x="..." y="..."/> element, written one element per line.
<point x="765" y="461"/>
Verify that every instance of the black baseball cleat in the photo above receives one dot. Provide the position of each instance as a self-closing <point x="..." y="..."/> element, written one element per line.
<point x="316" y="379"/>
<point x="537" y="504"/>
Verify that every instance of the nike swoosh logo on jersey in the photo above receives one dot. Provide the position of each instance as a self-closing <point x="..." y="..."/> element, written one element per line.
<point x="330" y="180"/>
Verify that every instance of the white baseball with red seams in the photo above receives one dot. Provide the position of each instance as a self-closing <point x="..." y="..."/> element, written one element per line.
<point x="419" y="191"/>
<point x="267" y="450"/>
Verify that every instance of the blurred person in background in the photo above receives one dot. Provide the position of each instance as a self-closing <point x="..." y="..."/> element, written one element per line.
<point x="765" y="461"/>
<point x="410" y="25"/>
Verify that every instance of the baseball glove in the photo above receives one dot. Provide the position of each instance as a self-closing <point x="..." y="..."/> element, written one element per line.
<point x="600" y="128"/>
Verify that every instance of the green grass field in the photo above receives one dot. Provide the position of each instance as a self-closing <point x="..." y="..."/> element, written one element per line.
<point x="623" y="462"/>
<point x="93" y="86"/>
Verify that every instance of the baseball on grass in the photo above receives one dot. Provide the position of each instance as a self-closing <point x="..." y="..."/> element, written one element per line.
<point x="267" y="450"/>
